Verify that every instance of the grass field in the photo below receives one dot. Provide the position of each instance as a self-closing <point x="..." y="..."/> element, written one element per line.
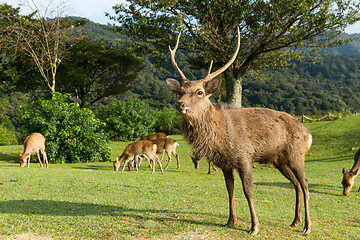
<point x="91" y="201"/>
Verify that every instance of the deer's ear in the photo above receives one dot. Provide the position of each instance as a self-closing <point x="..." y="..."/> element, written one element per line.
<point x="173" y="85"/>
<point x="344" y="170"/>
<point x="212" y="85"/>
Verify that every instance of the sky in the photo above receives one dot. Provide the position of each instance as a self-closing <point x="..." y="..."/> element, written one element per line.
<point x="94" y="10"/>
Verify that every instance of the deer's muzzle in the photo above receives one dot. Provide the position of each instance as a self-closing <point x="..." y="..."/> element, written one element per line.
<point x="181" y="107"/>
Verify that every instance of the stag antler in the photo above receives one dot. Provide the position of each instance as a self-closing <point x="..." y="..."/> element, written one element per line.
<point x="221" y="70"/>
<point x="209" y="75"/>
<point x="172" y="54"/>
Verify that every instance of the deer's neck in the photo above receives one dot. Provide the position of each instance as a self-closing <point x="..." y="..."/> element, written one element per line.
<point x="208" y="133"/>
<point x="356" y="165"/>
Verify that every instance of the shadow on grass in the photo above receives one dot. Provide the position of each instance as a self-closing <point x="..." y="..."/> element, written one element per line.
<point x="333" y="159"/>
<point x="63" y="208"/>
<point x="9" y="157"/>
<point x="313" y="188"/>
<point x="93" y="167"/>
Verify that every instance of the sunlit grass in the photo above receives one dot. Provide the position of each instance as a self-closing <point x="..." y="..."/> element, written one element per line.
<point x="91" y="201"/>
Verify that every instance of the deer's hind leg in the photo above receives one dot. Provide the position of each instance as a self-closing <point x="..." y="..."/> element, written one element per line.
<point x="280" y="164"/>
<point x="177" y="159"/>
<point x="297" y="166"/>
<point x="38" y="156"/>
<point x="169" y="159"/>
<point x="45" y="157"/>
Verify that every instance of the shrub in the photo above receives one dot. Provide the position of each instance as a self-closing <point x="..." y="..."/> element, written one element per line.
<point x="127" y="120"/>
<point x="7" y="137"/>
<point x="168" y="121"/>
<point x="72" y="134"/>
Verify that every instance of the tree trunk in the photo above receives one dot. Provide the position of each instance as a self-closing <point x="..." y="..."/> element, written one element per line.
<point x="233" y="89"/>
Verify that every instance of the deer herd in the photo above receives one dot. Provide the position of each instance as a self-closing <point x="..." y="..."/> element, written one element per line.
<point x="230" y="138"/>
<point x="148" y="146"/>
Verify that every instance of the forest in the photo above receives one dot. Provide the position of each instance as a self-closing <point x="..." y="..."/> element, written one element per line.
<point x="329" y="85"/>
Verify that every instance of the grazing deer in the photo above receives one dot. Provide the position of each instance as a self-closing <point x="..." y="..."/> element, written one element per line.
<point x="154" y="136"/>
<point x="169" y="146"/>
<point x="349" y="177"/>
<point x="196" y="160"/>
<point x="164" y="144"/>
<point x="33" y="143"/>
<point x="232" y="138"/>
<point x="134" y="150"/>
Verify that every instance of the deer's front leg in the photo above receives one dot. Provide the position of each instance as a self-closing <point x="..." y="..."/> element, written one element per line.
<point x="229" y="180"/>
<point x="247" y="182"/>
<point x="28" y="160"/>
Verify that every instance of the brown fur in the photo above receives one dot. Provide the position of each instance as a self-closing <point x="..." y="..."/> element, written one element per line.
<point x="232" y="138"/>
<point x="167" y="145"/>
<point x="349" y="177"/>
<point x="134" y="150"/>
<point x="33" y="143"/>
<point x="154" y="136"/>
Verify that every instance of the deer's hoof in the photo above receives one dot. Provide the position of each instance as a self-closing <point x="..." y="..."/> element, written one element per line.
<point x="306" y="231"/>
<point x="228" y="225"/>
<point x="253" y="232"/>
<point x="295" y="223"/>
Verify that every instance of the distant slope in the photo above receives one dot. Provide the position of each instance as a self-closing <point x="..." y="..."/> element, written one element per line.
<point x="332" y="85"/>
<point x="337" y="137"/>
<point x="349" y="48"/>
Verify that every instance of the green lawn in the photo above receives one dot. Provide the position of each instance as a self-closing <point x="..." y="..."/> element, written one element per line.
<point x="91" y="201"/>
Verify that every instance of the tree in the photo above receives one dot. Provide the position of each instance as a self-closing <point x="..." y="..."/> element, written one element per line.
<point x="39" y="35"/>
<point x="92" y="71"/>
<point x="273" y="33"/>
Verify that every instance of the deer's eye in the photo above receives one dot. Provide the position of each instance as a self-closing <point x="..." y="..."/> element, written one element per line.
<point x="200" y="93"/>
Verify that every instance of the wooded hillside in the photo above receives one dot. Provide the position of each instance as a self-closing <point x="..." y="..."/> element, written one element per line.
<point x="332" y="84"/>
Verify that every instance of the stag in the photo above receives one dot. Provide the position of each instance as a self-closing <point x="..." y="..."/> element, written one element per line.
<point x="349" y="177"/>
<point x="232" y="138"/>
<point x="34" y="143"/>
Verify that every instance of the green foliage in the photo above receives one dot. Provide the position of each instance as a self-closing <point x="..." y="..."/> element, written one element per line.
<point x="312" y="89"/>
<point x="72" y="134"/>
<point x="10" y="111"/>
<point x="167" y="121"/>
<point x="93" y="70"/>
<point x="128" y="120"/>
<point x="272" y="33"/>
<point x="7" y="137"/>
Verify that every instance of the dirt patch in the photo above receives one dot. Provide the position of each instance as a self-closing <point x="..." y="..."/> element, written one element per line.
<point x="27" y="236"/>
<point x="196" y="236"/>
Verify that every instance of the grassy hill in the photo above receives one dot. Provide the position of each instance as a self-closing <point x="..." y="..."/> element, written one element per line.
<point x="91" y="201"/>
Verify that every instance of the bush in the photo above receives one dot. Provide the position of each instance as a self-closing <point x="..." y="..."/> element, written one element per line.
<point x="7" y="137"/>
<point x="127" y="120"/>
<point x="72" y="134"/>
<point x="168" y="121"/>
